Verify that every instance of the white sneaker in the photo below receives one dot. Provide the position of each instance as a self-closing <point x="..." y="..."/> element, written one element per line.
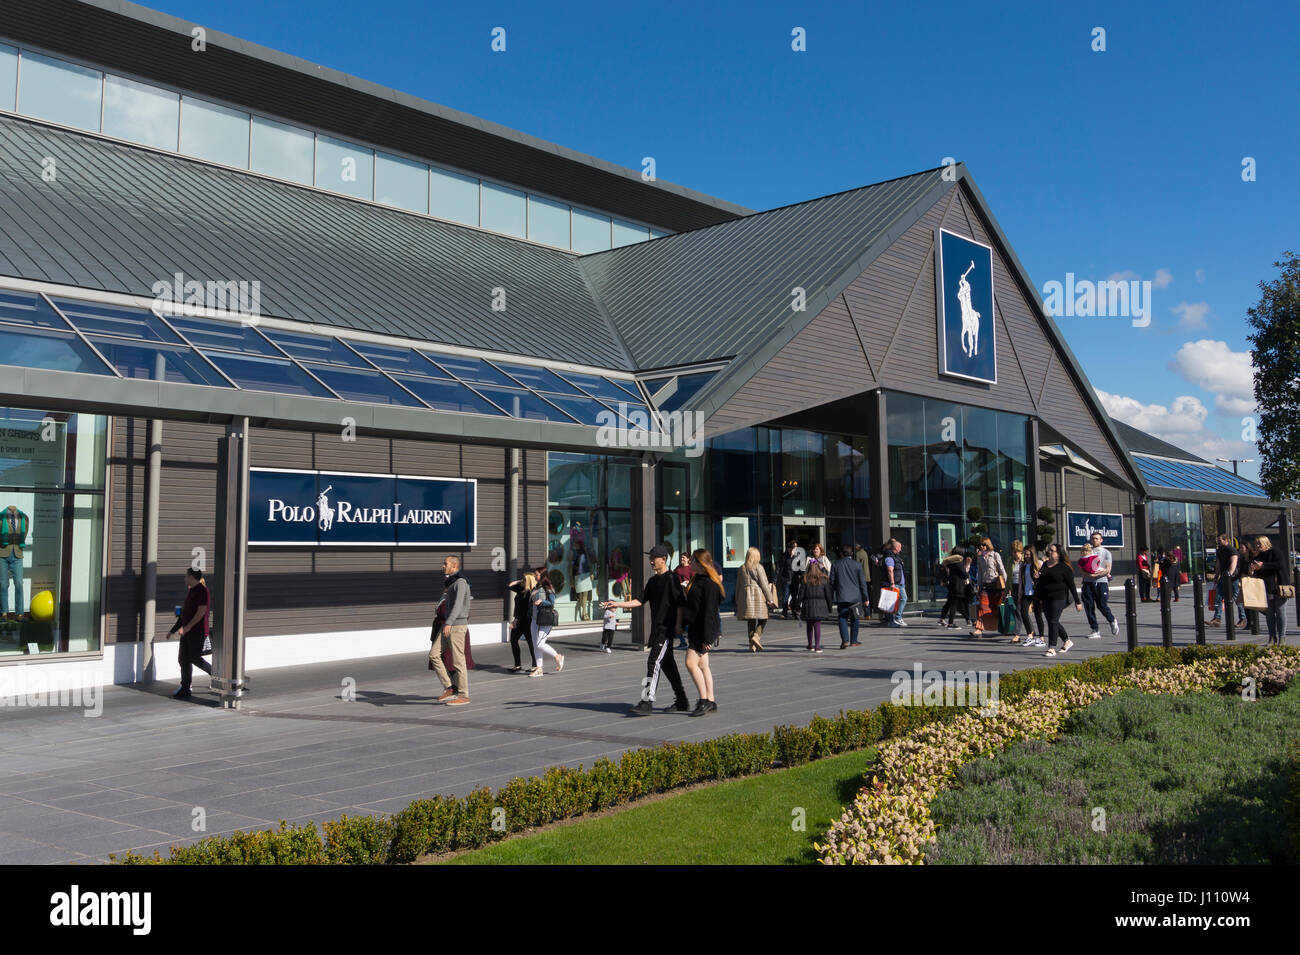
<point x="1094" y="635"/>
<point x="1040" y="642"/>
<point x="609" y="649"/>
<point x="1066" y="646"/>
<point x="559" y="662"/>
<point x="1114" y="628"/>
<point x="535" y="672"/>
<point x="1050" y="653"/>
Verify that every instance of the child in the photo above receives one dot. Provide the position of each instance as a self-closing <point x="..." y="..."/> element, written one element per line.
<point x="1087" y="560"/>
<point x="607" y="632"/>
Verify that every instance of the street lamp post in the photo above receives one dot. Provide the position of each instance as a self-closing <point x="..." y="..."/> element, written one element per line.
<point x="1235" y="461"/>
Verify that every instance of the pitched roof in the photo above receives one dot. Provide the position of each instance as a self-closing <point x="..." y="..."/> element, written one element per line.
<point x="1139" y="442"/>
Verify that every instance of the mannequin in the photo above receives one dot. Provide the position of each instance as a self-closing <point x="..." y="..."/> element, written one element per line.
<point x="581" y="577"/>
<point x="14" y="527"/>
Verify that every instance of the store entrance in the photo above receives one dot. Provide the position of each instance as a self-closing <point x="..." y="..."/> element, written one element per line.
<point x="905" y="533"/>
<point x="807" y="531"/>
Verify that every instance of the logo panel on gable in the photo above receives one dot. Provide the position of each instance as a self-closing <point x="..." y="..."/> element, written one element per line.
<point x="964" y="287"/>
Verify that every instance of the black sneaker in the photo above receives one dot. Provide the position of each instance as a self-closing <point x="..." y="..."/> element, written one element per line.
<point x="644" y="708"/>
<point x="701" y="708"/>
<point x="182" y="694"/>
<point x="713" y="707"/>
<point x="682" y="706"/>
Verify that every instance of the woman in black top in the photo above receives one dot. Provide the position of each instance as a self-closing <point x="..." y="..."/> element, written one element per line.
<point x="957" y="579"/>
<point x="1055" y="583"/>
<point x="1267" y="566"/>
<point x="521" y="620"/>
<point x="704" y="626"/>
<point x="816" y="603"/>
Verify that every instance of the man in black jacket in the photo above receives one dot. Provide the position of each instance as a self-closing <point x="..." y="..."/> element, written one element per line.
<point x="849" y="591"/>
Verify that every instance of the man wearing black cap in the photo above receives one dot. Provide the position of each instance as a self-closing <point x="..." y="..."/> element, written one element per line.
<point x="664" y="594"/>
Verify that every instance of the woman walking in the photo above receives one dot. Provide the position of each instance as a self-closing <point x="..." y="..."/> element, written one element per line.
<point x="992" y="585"/>
<point x="956" y="577"/>
<point x="1054" y="585"/>
<point x="1267" y="566"/>
<point x="753" y="598"/>
<point x="702" y="614"/>
<point x="522" y="618"/>
<point x="816" y="604"/>
<point x="1027" y="584"/>
<point x="542" y="598"/>
<point x="819" y="555"/>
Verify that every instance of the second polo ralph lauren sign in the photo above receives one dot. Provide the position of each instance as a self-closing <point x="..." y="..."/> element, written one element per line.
<point x="964" y="279"/>
<point x="335" y="508"/>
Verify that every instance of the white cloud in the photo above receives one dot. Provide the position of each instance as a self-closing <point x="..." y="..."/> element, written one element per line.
<point x="1163" y="279"/>
<point x="1191" y="316"/>
<point x="1225" y="373"/>
<point x="1182" y="424"/>
<point x="1126" y="276"/>
<point x="1200" y="275"/>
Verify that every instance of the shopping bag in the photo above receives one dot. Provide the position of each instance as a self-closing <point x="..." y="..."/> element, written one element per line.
<point x="1211" y="597"/>
<point x="888" y="599"/>
<point x="1183" y="578"/>
<point x="1007" y="617"/>
<point x="1253" y="594"/>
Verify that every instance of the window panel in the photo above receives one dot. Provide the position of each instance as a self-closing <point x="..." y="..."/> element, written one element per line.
<point x="629" y="233"/>
<point x="448" y="395"/>
<point x="590" y="231"/>
<point x="587" y="410"/>
<point x="523" y="404"/>
<point x="315" y="348"/>
<point x="548" y="221"/>
<point x="658" y="233"/>
<point x="397" y="359"/>
<point x="214" y="132"/>
<point x="688" y="386"/>
<point x="8" y="76"/>
<point x="209" y="334"/>
<point x="474" y="370"/>
<point x="504" y="210"/>
<point x="540" y="379"/>
<point x="178" y="364"/>
<point x="453" y="196"/>
<point x="268" y="374"/>
<point x="116" y="320"/>
<point x="140" y="113"/>
<point x="603" y="388"/>
<point x="401" y="182"/>
<point x="345" y="167"/>
<point x="48" y="349"/>
<point x="356" y="385"/>
<point x="59" y="91"/>
<point x="26" y="308"/>
<point x="286" y="152"/>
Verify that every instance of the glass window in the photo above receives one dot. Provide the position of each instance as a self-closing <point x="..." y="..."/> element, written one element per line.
<point x="268" y="374"/>
<point x="399" y="359"/>
<point x="48" y="349"/>
<point x="548" y="221"/>
<point x="214" y="132"/>
<point x="179" y="364"/>
<point x="283" y="151"/>
<point x="658" y="233"/>
<point x="8" y="76"/>
<point x="590" y="231"/>
<point x="541" y="379"/>
<point x="448" y="395"/>
<point x="504" y="210"/>
<point x="315" y="348"/>
<point x="473" y="370"/>
<point x="688" y="386"/>
<point x="26" y="308"/>
<point x="59" y="91"/>
<point x="116" y="320"/>
<point x="629" y="233"/>
<point x="209" y="334"/>
<point x="401" y="182"/>
<point x="522" y="404"/>
<point x="586" y="410"/>
<point x="905" y="433"/>
<point x="453" y="196"/>
<point x="980" y="459"/>
<point x="345" y="167"/>
<point x="943" y="466"/>
<point x="605" y="389"/>
<point x="140" y="113"/>
<point x="356" y="385"/>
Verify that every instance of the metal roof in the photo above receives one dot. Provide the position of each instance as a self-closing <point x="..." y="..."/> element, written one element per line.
<point x="717" y="292"/>
<point x="1139" y="442"/>
<point x="120" y="218"/>
<point x="144" y="43"/>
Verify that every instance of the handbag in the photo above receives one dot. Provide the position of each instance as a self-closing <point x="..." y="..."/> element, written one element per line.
<point x="1183" y="578"/>
<point x="888" y="599"/>
<point x="1285" y="591"/>
<point x="1253" y="594"/>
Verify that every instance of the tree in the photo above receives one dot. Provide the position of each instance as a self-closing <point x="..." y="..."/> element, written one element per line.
<point x="978" y="530"/>
<point x="1045" y="533"/>
<point x="1276" y="357"/>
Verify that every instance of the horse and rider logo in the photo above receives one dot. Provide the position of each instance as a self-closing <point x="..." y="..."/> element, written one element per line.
<point x="964" y="272"/>
<point x="323" y="508"/>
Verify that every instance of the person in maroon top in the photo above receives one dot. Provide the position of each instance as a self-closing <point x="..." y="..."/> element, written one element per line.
<point x="683" y="573"/>
<point x="193" y="625"/>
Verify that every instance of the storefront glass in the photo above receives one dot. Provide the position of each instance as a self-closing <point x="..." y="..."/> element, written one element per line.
<point x="1176" y="527"/>
<point x="52" y="468"/>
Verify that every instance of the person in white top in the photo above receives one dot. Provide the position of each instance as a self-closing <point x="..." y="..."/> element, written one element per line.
<point x="1096" y="589"/>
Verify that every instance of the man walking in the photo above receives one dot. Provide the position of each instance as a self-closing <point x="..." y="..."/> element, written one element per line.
<point x="849" y="591"/>
<point x="457" y="595"/>
<point x="1096" y="589"/>
<point x="1227" y="564"/>
<point x="892" y="576"/>
<point x="666" y="599"/>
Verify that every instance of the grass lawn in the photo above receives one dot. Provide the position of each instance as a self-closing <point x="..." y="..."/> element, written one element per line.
<point x="1195" y="779"/>
<point x="745" y="821"/>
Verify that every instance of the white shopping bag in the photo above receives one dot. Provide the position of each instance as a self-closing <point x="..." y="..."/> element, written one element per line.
<point x="888" y="599"/>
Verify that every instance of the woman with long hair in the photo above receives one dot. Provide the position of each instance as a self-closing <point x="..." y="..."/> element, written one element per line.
<point x="1055" y="585"/>
<point x="1268" y="567"/>
<point x="817" y="604"/>
<point x="956" y="576"/>
<point x="753" y="597"/>
<point x="705" y="630"/>
<point x="543" y="596"/>
<point x="819" y="555"/>
<point x="992" y="585"/>
<point x="1027" y="591"/>
<point x="521" y="619"/>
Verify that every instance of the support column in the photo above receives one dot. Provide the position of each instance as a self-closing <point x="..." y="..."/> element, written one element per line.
<point x="1284" y="533"/>
<point x="153" y="485"/>
<point x="1033" y="479"/>
<point x="1142" y="525"/>
<point x="642" y="481"/>
<point x="878" y="467"/>
<point x="1225" y="520"/>
<point x="230" y="590"/>
<point x="512" y="528"/>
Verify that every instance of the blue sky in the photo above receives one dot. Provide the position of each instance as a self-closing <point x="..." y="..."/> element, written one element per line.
<point x="1123" y="163"/>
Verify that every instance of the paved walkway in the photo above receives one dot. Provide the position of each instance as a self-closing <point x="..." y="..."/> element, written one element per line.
<point x="74" y="789"/>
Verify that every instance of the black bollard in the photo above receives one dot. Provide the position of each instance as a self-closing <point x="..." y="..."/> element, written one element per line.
<point x="1166" y="614"/>
<point x="1252" y="618"/>
<point x="1198" y="595"/>
<point x="1131" y="613"/>
<point x="1295" y="582"/>
<point x="1229" y="611"/>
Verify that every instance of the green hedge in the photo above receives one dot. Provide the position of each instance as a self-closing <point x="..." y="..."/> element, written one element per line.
<point x="447" y="823"/>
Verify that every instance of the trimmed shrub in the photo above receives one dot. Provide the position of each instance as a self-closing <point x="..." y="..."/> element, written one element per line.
<point x="363" y="840"/>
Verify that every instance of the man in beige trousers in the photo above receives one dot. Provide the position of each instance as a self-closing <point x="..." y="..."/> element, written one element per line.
<point x="454" y="630"/>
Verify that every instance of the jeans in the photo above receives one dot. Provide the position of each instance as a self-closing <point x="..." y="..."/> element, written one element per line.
<point x="1144" y="587"/>
<point x="540" y="647"/>
<point x="11" y="567"/>
<point x="848" y="623"/>
<point x="1054" y="628"/>
<point x="1275" y="617"/>
<point x="1096" y="594"/>
<point x="522" y="630"/>
<point x="902" y="602"/>
<point x="1221" y="586"/>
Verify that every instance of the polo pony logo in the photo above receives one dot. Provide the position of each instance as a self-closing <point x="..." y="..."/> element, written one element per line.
<point x="970" y="319"/>
<point x="326" y="512"/>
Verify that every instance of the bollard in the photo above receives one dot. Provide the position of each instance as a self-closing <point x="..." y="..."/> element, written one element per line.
<point x="1252" y="618"/>
<point x="1198" y="595"/>
<point x="1131" y="613"/>
<point x="1166" y="614"/>
<point x="1295" y="582"/>
<point x="1229" y="611"/>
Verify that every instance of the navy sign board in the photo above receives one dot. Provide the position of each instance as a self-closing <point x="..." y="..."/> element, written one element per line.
<point x="342" y="509"/>
<point x="1079" y="528"/>
<point x="964" y="286"/>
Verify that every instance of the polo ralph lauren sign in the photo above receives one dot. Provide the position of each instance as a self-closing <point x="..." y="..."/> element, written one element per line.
<point x="341" y="509"/>
<point x="1080" y="527"/>
<point x="964" y="286"/>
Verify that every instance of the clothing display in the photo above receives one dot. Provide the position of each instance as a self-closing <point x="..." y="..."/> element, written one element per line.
<point x="14" y="528"/>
